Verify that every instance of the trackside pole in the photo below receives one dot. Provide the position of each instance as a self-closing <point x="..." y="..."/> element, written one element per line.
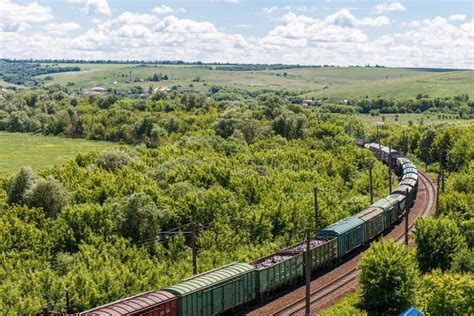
<point x="308" y="272"/>
<point x="193" y="246"/>
<point x="389" y="170"/>
<point x="316" y="210"/>
<point x="406" y="219"/>
<point x="370" y="183"/>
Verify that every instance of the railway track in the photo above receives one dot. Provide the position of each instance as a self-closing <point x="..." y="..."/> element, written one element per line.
<point x="348" y="280"/>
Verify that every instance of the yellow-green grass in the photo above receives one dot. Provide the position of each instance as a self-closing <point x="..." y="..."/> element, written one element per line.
<point x="415" y="119"/>
<point x="333" y="83"/>
<point x="22" y="149"/>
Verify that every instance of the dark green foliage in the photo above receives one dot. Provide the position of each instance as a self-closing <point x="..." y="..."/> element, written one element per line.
<point x="139" y="218"/>
<point x="48" y="194"/>
<point x="112" y="160"/>
<point x="23" y="73"/>
<point x="447" y="294"/>
<point x="289" y="125"/>
<point x="19" y="185"/>
<point x="388" y="277"/>
<point x="463" y="261"/>
<point x="437" y="242"/>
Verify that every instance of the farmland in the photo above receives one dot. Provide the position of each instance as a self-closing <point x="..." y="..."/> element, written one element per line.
<point x="334" y="83"/>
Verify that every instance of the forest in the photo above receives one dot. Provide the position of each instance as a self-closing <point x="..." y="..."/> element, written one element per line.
<point x="241" y="166"/>
<point x="24" y="73"/>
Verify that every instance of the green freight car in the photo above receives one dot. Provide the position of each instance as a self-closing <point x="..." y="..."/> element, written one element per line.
<point x="349" y="233"/>
<point x="398" y="201"/>
<point x="277" y="270"/>
<point x="389" y="212"/>
<point x="215" y="291"/>
<point x="323" y="251"/>
<point x="374" y="222"/>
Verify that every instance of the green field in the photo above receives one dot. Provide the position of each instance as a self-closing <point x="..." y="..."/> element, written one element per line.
<point x="314" y="82"/>
<point x="21" y="149"/>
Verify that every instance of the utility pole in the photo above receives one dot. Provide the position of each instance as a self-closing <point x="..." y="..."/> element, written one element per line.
<point x="370" y="183"/>
<point x="406" y="219"/>
<point x="378" y="141"/>
<point x="437" y="191"/>
<point x="442" y="180"/>
<point x="308" y="272"/>
<point x="193" y="246"/>
<point x="316" y="210"/>
<point x="68" y="309"/>
<point x="389" y="170"/>
<point x="130" y="76"/>
<point x="440" y="170"/>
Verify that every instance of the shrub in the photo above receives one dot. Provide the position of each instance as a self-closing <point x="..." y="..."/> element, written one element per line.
<point x="437" y="242"/>
<point x="388" y="277"/>
<point x="20" y="184"/>
<point x="49" y="195"/>
<point x="112" y="160"/>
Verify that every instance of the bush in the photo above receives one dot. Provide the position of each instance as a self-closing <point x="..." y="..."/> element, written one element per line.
<point x="447" y="294"/>
<point x="49" y="195"/>
<point x="437" y="242"/>
<point x="388" y="277"/>
<point x="20" y="184"/>
<point x="112" y="160"/>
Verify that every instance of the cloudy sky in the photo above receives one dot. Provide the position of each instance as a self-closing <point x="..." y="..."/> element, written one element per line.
<point x="389" y="32"/>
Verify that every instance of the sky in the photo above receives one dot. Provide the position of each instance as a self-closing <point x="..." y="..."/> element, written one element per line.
<point x="395" y="33"/>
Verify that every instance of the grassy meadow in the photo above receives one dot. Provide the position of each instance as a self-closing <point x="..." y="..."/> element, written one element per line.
<point x="334" y="83"/>
<point x="22" y="149"/>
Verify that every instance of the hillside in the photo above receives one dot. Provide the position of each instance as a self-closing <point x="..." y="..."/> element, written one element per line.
<point x="308" y="82"/>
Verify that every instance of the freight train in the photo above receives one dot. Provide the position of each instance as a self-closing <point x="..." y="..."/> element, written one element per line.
<point x="231" y="287"/>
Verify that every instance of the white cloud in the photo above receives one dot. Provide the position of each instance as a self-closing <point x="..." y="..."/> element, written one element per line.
<point x="93" y="6"/>
<point x="388" y="7"/>
<point x="163" y="9"/>
<point x="340" y="38"/>
<point x="457" y="17"/>
<point x="134" y="18"/>
<point x="61" y="28"/>
<point x="380" y="20"/>
<point x="97" y="7"/>
<point x="16" y="17"/>
<point x="226" y="1"/>
<point x="268" y="11"/>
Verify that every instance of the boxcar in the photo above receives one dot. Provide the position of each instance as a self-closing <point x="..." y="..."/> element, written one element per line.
<point x="373" y="222"/>
<point x="349" y="233"/>
<point x="398" y="201"/>
<point x="389" y="212"/>
<point x="323" y="251"/>
<point x="411" y="182"/>
<point x="276" y="271"/>
<point x="403" y="189"/>
<point x="215" y="291"/>
<point x="399" y="163"/>
<point x="413" y="176"/>
<point x="389" y="155"/>
<point x="153" y="303"/>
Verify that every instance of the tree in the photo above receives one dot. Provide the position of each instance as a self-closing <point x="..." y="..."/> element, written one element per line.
<point x="388" y="277"/>
<point x="20" y="184"/>
<point x="111" y="160"/>
<point x="49" y="195"/>
<point x="447" y="294"/>
<point x="437" y="242"/>
<point x="139" y="217"/>
<point x="289" y="125"/>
